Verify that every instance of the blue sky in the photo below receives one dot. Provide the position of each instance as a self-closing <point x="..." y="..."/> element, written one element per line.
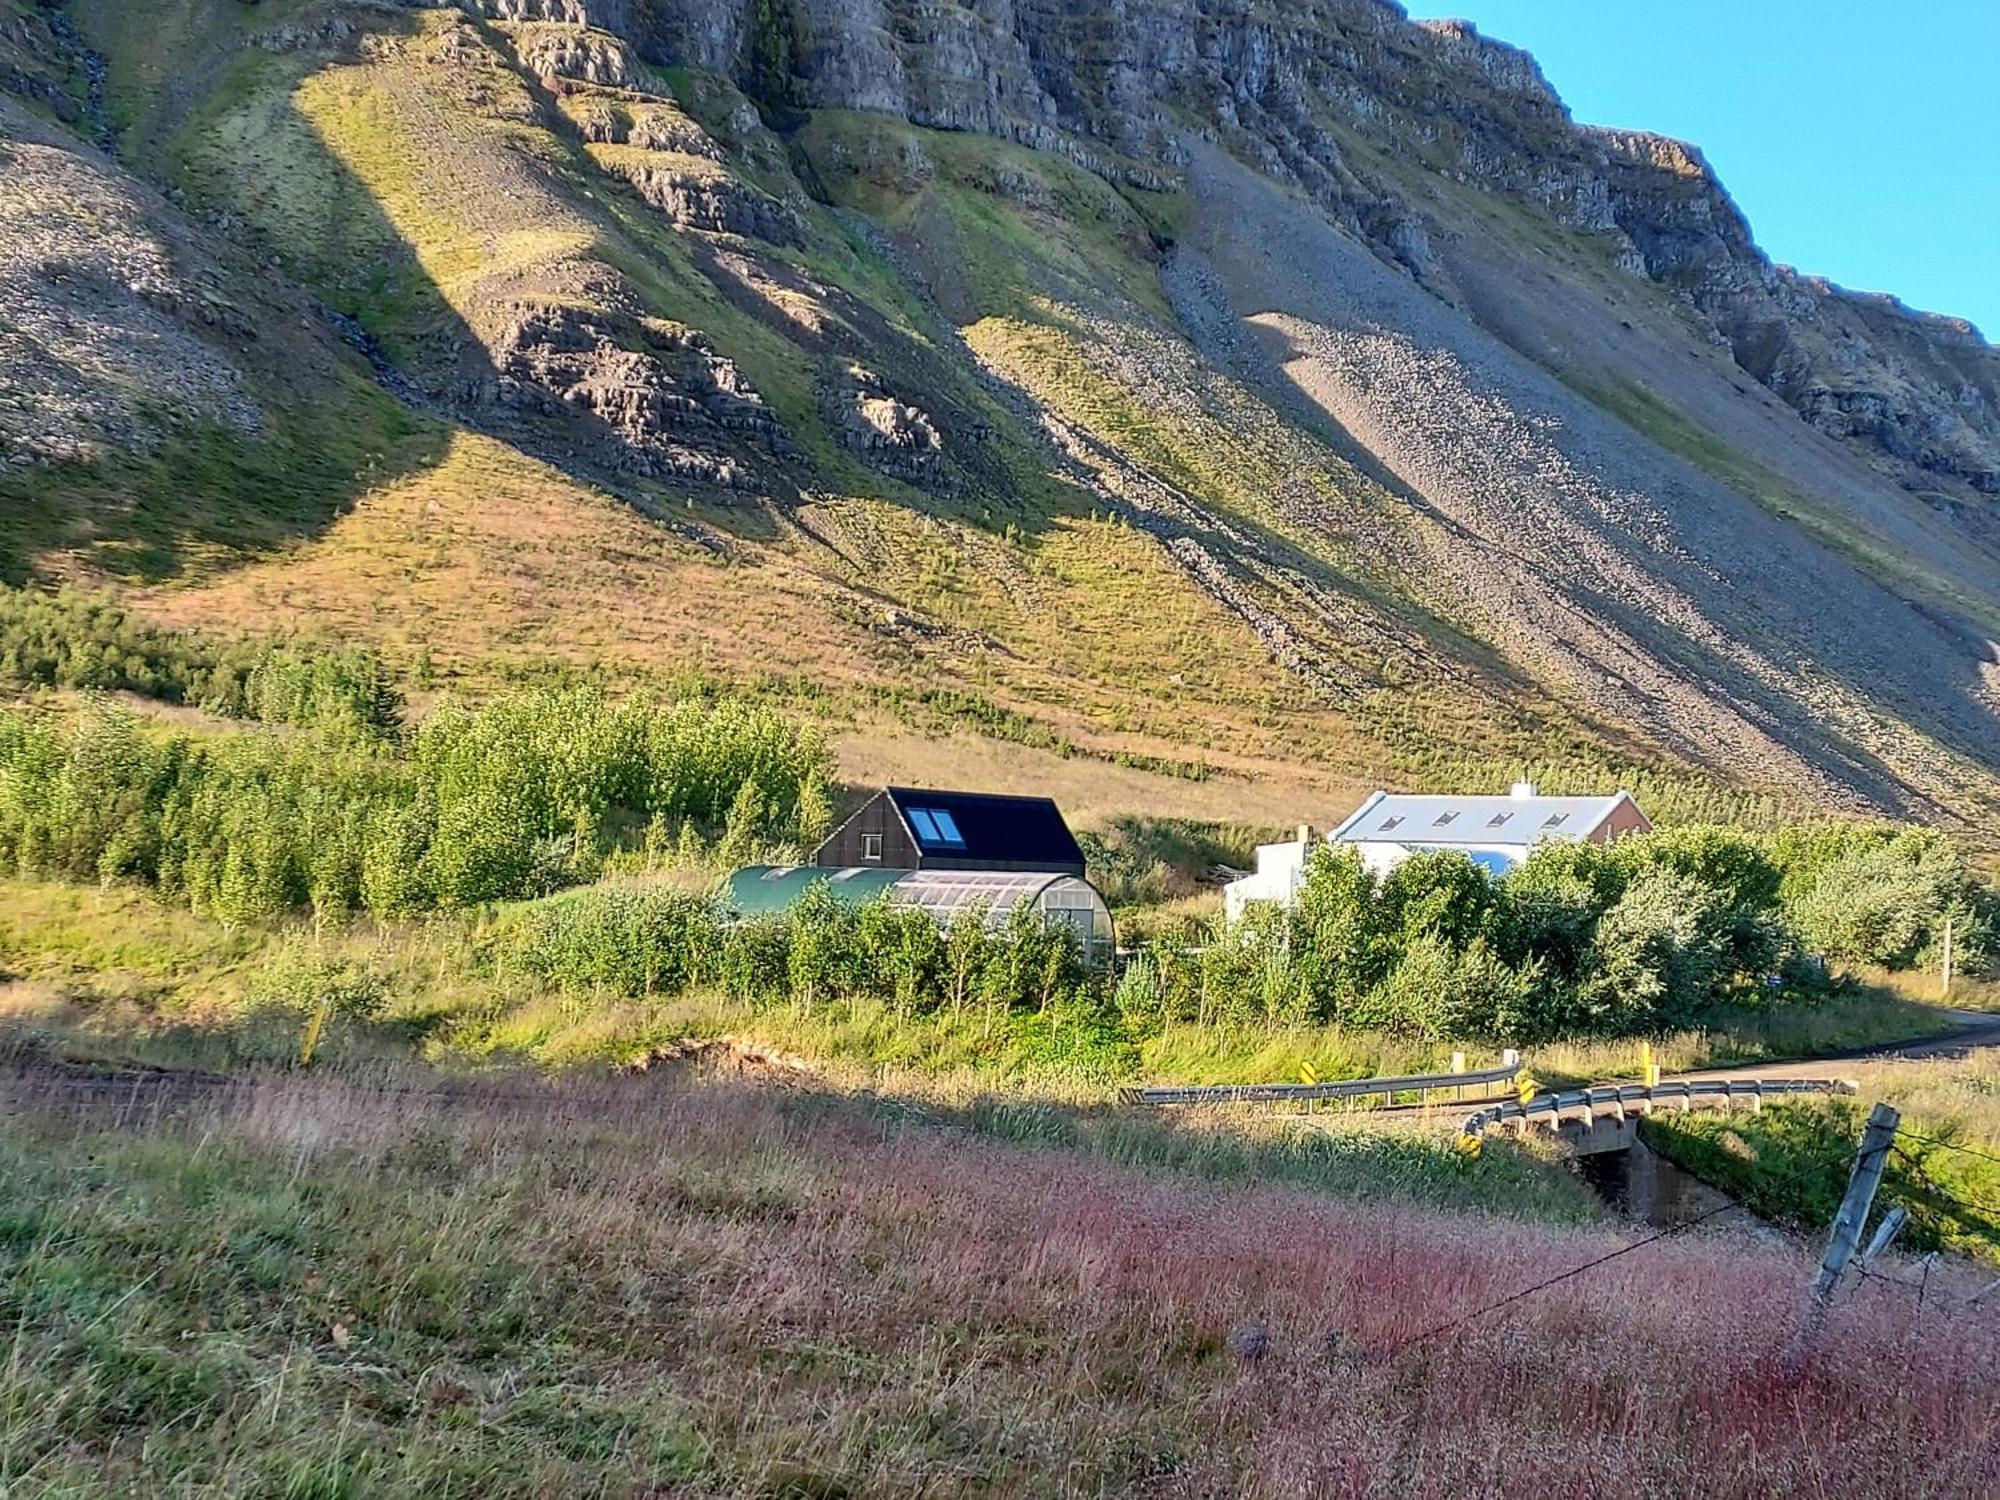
<point x="1861" y="139"/>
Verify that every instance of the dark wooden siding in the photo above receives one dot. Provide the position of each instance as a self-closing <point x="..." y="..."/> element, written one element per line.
<point x="846" y="846"/>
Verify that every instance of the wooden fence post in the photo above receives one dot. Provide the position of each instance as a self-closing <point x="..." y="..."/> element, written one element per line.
<point x="1862" y="1181"/>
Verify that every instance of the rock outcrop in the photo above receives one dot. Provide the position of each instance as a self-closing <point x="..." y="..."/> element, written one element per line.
<point x="891" y="435"/>
<point x="668" y="405"/>
<point x="1109" y="86"/>
<point x="708" y="200"/>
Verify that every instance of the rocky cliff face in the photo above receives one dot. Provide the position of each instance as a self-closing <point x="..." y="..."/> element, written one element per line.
<point x="1284" y="87"/>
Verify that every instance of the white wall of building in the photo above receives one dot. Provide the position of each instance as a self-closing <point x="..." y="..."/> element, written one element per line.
<point x="1280" y="872"/>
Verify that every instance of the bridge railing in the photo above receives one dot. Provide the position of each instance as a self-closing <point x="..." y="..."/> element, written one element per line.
<point x="1421" y="1084"/>
<point x="1550" y="1108"/>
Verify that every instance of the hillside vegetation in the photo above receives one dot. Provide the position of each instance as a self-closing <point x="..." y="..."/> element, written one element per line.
<point x="583" y="334"/>
<point x="473" y="472"/>
<point x="536" y="873"/>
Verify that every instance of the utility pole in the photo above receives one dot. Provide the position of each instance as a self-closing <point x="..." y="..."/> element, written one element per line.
<point x="1945" y="992"/>
<point x="1862" y="1181"/>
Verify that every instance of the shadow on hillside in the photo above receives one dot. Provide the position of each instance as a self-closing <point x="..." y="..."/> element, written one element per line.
<point x="1904" y="660"/>
<point x="340" y="414"/>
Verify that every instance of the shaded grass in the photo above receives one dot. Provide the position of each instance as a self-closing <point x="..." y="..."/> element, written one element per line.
<point x="1789" y="1161"/>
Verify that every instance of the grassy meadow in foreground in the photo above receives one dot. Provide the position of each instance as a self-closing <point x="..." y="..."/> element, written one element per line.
<point x="309" y="1288"/>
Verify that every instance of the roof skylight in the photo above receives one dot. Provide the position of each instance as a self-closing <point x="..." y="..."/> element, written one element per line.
<point x="936" y="828"/>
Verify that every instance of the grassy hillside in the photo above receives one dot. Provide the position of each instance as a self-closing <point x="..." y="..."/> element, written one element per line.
<point x="1115" y="539"/>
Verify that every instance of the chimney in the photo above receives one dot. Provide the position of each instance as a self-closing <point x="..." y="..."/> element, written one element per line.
<point x="1305" y="834"/>
<point x="1522" y="790"/>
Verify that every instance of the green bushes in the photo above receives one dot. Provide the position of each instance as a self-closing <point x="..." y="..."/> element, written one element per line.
<point x="320" y="989"/>
<point x="1790" y="1162"/>
<point x="79" y="640"/>
<point x="515" y="798"/>
<point x="1141" y="860"/>
<point x="631" y="942"/>
<point x="1658" y="933"/>
<point x="1881" y="894"/>
<point x="643" y="943"/>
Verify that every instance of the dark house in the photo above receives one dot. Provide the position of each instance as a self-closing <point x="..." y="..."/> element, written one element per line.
<point x="906" y="829"/>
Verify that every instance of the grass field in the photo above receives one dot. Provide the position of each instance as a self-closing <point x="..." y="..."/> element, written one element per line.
<point x="317" y="1288"/>
<point x="1945" y="1171"/>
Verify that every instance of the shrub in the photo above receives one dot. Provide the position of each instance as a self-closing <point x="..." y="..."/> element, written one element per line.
<point x="75" y="639"/>
<point x="630" y="942"/>
<point x="1659" y="957"/>
<point x="515" y="798"/>
<point x="320" y="989"/>
<point x="1340" y="950"/>
<point x="1882" y="895"/>
<point x="756" y="960"/>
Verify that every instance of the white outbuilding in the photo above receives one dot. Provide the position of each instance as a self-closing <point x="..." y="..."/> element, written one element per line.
<point x="1494" y="832"/>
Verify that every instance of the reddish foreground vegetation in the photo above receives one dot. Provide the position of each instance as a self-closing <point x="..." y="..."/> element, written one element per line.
<point x="313" y="1288"/>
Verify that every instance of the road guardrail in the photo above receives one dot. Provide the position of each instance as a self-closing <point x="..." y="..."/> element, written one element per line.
<point x="1423" y="1084"/>
<point x="1552" y="1108"/>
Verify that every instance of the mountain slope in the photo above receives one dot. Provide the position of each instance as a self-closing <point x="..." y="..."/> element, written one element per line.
<point x="1305" y="396"/>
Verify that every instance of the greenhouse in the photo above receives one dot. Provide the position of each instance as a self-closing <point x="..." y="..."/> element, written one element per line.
<point x="770" y="890"/>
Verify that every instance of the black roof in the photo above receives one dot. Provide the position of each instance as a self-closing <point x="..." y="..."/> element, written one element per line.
<point x="1001" y="830"/>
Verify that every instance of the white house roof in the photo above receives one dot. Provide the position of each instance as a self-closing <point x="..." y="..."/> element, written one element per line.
<point x="1505" y="822"/>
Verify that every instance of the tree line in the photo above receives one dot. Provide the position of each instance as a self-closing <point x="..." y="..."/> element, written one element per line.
<point x="514" y="798"/>
<point x="1655" y="933"/>
<point x="639" y="942"/>
<point x="76" y="639"/>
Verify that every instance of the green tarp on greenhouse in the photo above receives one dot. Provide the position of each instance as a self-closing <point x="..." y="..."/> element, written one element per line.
<point x="768" y="890"/>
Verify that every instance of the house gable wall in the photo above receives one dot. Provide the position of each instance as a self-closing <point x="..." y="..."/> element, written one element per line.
<point x="846" y="847"/>
<point x="1624" y="818"/>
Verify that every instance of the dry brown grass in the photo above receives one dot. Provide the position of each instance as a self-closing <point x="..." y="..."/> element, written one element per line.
<point x="315" y="1288"/>
<point x="492" y="557"/>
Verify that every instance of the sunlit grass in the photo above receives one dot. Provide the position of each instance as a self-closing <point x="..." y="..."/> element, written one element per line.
<point x="311" y="1288"/>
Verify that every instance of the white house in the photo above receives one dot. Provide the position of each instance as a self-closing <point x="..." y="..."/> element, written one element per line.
<point x="1281" y="870"/>
<point x="1495" y="832"/>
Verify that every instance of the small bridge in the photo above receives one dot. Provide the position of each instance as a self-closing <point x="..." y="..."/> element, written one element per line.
<point x="1606" y="1117"/>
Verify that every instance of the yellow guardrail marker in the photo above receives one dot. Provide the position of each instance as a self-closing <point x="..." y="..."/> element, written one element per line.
<point x="1306" y="1074"/>
<point x="1649" y="1071"/>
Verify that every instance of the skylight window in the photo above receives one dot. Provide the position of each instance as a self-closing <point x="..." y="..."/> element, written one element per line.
<point x="1389" y="823"/>
<point x="1443" y="818"/>
<point x="1556" y="820"/>
<point x="936" y="828"/>
<point x="1497" y="819"/>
